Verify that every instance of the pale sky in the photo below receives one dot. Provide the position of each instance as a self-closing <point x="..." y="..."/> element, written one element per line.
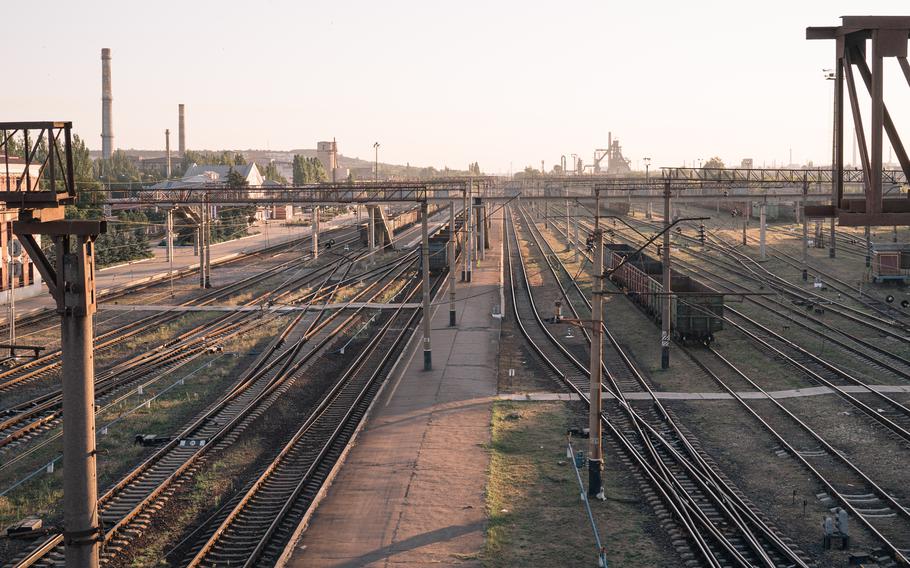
<point x="504" y="83"/>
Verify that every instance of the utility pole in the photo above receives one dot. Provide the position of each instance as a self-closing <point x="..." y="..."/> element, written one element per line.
<point x="371" y="238"/>
<point x="12" y="298"/>
<point x="170" y="248"/>
<point x="315" y="232"/>
<point x="425" y="253"/>
<point x="452" y="265"/>
<point x="376" y="172"/>
<point x="595" y="450"/>
<point x="469" y="237"/>
<point x="868" y="247"/>
<point x="665" y="312"/>
<point x="805" y="231"/>
<point x="761" y="230"/>
<point x="207" y="240"/>
<point x="747" y="212"/>
<point x="482" y="233"/>
<point x="201" y="242"/>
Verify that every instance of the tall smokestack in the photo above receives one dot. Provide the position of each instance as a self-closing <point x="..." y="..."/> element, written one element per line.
<point x="167" y="149"/>
<point x="181" y="131"/>
<point x="107" y="101"/>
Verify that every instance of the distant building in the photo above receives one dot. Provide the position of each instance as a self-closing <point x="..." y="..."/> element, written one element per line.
<point x="197" y="175"/>
<point x="26" y="279"/>
<point x="156" y="166"/>
<point x="746" y="163"/>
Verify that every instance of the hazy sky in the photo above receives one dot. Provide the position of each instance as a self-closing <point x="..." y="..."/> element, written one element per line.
<point x="444" y="83"/>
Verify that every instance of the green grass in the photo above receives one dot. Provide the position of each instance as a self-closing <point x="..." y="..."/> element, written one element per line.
<point x="535" y="516"/>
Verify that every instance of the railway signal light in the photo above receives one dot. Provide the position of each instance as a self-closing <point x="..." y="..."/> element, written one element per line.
<point x="905" y="303"/>
<point x="701" y="233"/>
<point x="889" y="298"/>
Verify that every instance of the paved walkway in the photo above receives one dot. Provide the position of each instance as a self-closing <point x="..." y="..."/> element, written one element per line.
<point x="157" y="267"/>
<point x="749" y="395"/>
<point x="411" y="491"/>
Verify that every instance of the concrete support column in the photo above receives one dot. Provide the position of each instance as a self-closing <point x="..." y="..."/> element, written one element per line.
<point x="169" y="227"/>
<point x="80" y="486"/>
<point x="595" y="449"/>
<point x="868" y="237"/>
<point x="801" y="212"/>
<point x="568" y="237"/>
<point x="314" y="233"/>
<point x="371" y="236"/>
<point x="761" y="231"/>
<point x="425" y="254"/>
<point x="201" y="244"/>
<point x="482" y="219"/>
<point x="452" y="266"/>
<point x="665" y="312"/>
<point x="832" y="246"/>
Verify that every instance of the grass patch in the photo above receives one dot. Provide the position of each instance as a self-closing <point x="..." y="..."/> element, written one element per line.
<point x="535" y="516"/>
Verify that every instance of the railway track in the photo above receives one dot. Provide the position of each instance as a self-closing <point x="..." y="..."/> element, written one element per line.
<point x="31" y="418"/>
<point x="257" y="525"/>
<point x="128" y="507"/>
<point x="843" y="482"/>
<point x="45" y="366"/>
<point x="721" y="528"/>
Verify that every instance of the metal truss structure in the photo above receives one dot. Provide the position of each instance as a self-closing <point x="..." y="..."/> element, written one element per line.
<point x="888" y="37"/>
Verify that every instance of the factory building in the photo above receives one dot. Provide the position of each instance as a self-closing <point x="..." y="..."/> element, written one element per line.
<point x="26" y="280"/>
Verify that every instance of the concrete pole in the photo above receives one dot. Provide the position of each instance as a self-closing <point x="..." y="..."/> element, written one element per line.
<point x="665" y="312"/>
<point x="170" y="248"/>
<point x="314" y="234"/>
<point x="80" y="484"/>
<point x="425" y="253"/>
<point x="761" y="231"/>
<point x="371" y="228"/>
<point x="747" y="210"/>
<point x="805" y="234"/>
<point x="482" y="218"/>
<point x="200" y="242"/>
<point x="11" y="318"/>
<point x="595" y="450"/>
<point x="169" y="239"/>
<point x="868" y="247"/>
<point x="832" y="246"/>
<point x="568" y="233"/>
<point x="469" y="257"/>
<point x="575" y="231"/>
<point x="208" y="246"/>
<point x="452" y="266"/>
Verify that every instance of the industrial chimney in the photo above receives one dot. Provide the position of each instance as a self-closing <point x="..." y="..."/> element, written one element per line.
<point x="167" y="149"/>
<point x="107" y="100"/>
<point x="181" y="131"/>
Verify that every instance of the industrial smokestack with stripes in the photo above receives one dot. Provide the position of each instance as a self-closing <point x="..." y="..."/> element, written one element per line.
<point x="181" y="130"/>
<point x="107" y="103"/>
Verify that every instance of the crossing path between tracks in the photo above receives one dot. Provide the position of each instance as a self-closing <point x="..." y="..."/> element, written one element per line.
<point x="411" y="489"/>
<point x="750" y="395"/>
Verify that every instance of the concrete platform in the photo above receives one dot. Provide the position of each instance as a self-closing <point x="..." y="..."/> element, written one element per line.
<point x="411" y="491"/>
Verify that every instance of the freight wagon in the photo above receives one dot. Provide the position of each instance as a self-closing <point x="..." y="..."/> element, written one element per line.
<point x="696" y="310"/>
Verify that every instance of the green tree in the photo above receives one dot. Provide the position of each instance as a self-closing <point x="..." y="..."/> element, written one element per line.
<point x="270" y="172"/>
<point x="235" y="179"/>
<point x="714" y="162"/>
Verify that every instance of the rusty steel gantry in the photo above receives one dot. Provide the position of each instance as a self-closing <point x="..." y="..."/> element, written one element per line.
<point x="36" y="169"/>
<point x="887" y="37"/>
